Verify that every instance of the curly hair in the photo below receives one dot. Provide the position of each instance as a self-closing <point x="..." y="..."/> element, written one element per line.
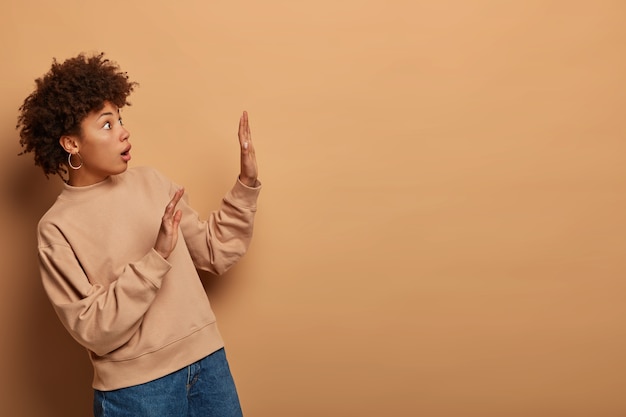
<point x="63" y="97"/>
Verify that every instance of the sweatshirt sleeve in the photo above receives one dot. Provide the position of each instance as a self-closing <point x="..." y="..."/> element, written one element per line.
<point x="219" y="242"/>
<point x="101" y="318"/>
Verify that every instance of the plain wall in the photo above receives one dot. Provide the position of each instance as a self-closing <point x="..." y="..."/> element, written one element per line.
<point x="441" y="230"/>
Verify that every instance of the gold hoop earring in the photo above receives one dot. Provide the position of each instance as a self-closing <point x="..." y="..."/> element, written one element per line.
<point x="69" y="161"/>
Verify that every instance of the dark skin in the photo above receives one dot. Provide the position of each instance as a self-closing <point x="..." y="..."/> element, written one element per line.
<point x="168" y="232"/>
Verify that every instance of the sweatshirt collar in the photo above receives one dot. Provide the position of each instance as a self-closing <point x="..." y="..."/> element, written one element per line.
<point x="89" y="191"/>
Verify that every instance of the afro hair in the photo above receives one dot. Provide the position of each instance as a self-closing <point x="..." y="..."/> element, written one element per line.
<point x="63" y="97"/>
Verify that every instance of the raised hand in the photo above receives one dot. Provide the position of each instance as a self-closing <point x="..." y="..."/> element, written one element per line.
<point x="168" y="232"/>
<point x="249" y="171"/>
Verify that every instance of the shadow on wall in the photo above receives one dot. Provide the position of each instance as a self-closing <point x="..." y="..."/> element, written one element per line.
<point x="54" y="371"/>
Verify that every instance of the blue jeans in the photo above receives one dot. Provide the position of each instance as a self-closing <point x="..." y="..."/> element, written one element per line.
<point x="202" y="389"/>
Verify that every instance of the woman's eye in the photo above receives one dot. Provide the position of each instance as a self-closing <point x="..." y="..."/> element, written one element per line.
<point x="120" y="119"/>
<point x="107" y="125"/>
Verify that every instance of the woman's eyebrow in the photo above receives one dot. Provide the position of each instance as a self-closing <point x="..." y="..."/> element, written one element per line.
<point x="108" y="113"/>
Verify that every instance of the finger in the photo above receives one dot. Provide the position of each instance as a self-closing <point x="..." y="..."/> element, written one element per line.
<point x="242" y="128"/>
<point x="245" y="114"/>
<point x="169" y="209"/>
<point x="176" y="220"/>
<point x="177" y="196"/>
<point x="246" y="126"/>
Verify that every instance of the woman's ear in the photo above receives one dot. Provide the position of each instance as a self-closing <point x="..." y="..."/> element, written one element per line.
<point x="69" y="143"/>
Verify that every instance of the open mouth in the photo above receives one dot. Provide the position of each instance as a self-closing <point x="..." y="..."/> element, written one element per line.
<point x="126" y="154"/>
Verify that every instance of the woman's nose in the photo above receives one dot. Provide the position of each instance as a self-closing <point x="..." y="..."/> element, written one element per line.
<point x="125" y="134"/>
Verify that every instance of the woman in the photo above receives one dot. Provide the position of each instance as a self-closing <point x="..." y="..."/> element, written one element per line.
<point x="119" y="249"/>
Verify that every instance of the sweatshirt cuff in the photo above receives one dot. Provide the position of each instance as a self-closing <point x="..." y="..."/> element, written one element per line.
<point x="153" y="268"/>
<point x="243" y="196"/>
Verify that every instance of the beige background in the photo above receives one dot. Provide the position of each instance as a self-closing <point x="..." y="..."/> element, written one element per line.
<point x="441" y="230"/>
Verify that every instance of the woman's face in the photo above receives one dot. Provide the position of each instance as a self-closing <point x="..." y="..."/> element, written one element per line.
<point x="103" y="146"/>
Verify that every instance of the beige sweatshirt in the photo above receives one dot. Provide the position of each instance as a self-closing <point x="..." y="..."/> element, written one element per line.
<point x="140" y="316"/>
